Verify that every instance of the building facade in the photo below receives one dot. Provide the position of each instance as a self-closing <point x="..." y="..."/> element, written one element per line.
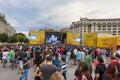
<point x="9" y="30"/>
<point x="2" y="23"/>
<point x="86" y="25"/>
<point x="5" y="27"/>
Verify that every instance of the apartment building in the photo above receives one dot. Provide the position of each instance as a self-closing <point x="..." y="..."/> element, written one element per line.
<point x="85" y="25"/>
<point x="5" y="27"/>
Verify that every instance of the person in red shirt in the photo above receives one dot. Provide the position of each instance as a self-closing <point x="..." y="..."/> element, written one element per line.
<point x="114" y="61"/>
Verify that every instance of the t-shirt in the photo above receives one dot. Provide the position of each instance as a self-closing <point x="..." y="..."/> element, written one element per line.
<point x="100" y="68"/>
<point x="105" y="77"/>
<point x="57" y="63"/>
<point x="107" y="53"/>
<point x="26" y="66"/>
<point x="68" y="55"/>
<point x="88" y="60"/>
<point x="21" y="55"/>
<point x="11" y="54"/>
<point x="47" y="70"/>
<point x="63" y="67"/>
<point x="115" y="62"/>
<point x="75" y="51"/>
<point x="78" y="74"/>
<point x="5" y="55"/>
<point x="79" y="55"/>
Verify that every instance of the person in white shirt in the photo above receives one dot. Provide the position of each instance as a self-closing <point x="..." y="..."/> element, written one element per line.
<point x="5" y="57"/>
<point x="75" y="52"/>
<point x="118" y="51"/>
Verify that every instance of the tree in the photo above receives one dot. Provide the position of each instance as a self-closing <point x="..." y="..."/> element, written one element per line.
<point x="21" y="37"/>
<point x="12" y="39"/>
<point x="3" y="37"/>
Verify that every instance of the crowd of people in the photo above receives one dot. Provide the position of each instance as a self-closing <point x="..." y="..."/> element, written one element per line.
<point x="51" y="62"/>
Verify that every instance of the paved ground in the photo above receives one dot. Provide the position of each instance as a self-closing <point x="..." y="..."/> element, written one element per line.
<point x="8" y="74"/>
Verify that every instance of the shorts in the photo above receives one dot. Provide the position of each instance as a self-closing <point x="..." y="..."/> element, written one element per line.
<point x="21" y="64"/>
<point x="18" y="61"/>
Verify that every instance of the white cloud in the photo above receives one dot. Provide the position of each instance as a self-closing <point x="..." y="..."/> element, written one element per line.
<point x="36" y="14"/>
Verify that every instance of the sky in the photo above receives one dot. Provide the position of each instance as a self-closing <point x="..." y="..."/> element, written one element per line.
<point x="24" y="15"/>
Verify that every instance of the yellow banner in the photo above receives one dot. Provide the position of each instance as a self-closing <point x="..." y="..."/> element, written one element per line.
<point x="40" y="37"/>
<point x="118" y="40"/>
<point x="71" y="38"/>
<point x="90" y="39"/>
<point x="107" y="42"/>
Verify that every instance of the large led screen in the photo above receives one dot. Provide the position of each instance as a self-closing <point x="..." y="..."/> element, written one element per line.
<point x="55" y="37"/>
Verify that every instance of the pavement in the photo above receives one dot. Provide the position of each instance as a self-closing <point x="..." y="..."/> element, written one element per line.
<point x="9" y="74"/>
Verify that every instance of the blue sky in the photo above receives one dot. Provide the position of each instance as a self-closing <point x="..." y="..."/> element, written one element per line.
<point x="24" y="15"/>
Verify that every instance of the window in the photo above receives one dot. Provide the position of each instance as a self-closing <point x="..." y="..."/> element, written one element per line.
<point x="114" y="28"/>
<point x="104" y="26"/>
<point x="104" y="29"/>
<point x="99" y="28"/>
<point x="114" y="32"/>
<point x="94" y="22"/>
<point x="109" y="28"/>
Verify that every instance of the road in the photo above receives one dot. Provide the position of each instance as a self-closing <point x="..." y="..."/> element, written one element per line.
<point x="9" y="74"/>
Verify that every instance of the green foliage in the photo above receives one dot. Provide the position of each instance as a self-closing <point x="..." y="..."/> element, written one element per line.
<point x="18" y="37"/>
<point x="21" y="37"/>
<point x="12" y="39"/>
<point x="3" y="37"/>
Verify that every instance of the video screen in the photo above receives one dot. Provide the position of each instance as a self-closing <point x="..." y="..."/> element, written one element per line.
<point x="30" y="37"/>
<point x="54" y="38"/>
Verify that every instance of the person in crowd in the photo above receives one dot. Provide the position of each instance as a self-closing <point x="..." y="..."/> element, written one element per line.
<point x="48" y="69"/>
<point x="1" y="55"/>
<point x="56" y="76"/>
<point x="37" y="56"/>
<point x="78" y="72"/>
<point x="88" y="60"/>
<point x="5" y="57"/>
<point x="17" y="59"/>
<point x="26" y="65"/>
<point x="96" y="62"/>
<point x="79" y="54"/>
<point x="118" y="66"/>
<point x="118" y="51"/>
<point x="68" y="57"/>
<point x="100" y="68"/>
<point x="64" y="51"/>
<point x="110" y="73"/>
<point x="72" y="57"/>
<point x="85" y="72"/>
<point x="107" y="55"/>
<point x="83" y="55"/>
<point x="31" y="56"/>
<point x="82" y="72"/>
<point x="36" y="72"/>
<point x="12" y="56"/>
<point x="114" y="60"/>
<point x="63" y="67"/>
<point x="27" y="50"/>
<point x="75" y="51"/>
<point x="56" y="61"/>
